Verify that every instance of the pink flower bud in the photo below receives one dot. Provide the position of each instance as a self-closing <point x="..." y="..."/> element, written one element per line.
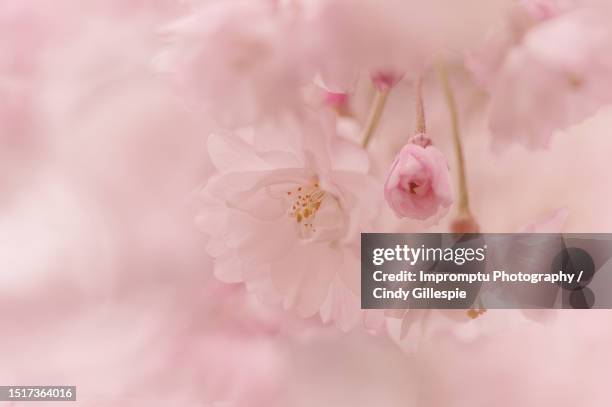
<point x="465" y="224"/>
<point x="418" y="184"/>
<point x="385" y="80"/>
<point x="335" y="99"/>
<point x="339" y="102"/>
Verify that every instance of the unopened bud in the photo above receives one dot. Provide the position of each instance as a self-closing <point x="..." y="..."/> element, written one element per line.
<point x="465" y="224"/>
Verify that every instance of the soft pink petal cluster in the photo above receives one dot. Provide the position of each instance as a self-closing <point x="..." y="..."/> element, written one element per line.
<point x="400" y="37"/>
<point x="284" y="211"/>
<point x="237" y="60"/>
<point x="537" y="85"/>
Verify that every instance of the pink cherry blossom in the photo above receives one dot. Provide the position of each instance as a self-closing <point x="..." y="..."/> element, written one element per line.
<point x="107" y="283"/>
<point x="402" y="36"/>
<point x="418" y="183"/>
<point x="284" y="216"/>
<point x="384" y="80"/>
<point x="336" y="100"/>
<point x="539" y="87"/>
<point x="235" y="59"/>
<point x="485" y="60"/>
<point x="339" y="102"/>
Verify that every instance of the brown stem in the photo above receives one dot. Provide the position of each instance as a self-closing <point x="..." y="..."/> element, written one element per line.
<point x="464" y="202"/>
<point x="378" y="106"/>
<point x="420" y="110"/>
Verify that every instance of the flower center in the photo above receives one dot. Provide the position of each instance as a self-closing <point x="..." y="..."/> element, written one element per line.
<point x="418" y="187"/>
<point x="305" y="202"/>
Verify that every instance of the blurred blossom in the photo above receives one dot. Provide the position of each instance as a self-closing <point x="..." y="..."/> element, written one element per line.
<point x="552" y="223"/>
<point x="400" y="36"/>
<point x="415" y="329"/>
<point x="539" y="87"/>
<point x="237" y="60"/>
<point x="485" y="59"/>
<point x="340" y="102"/>
<point x="383" y="80"/>
<point x="471" y="372"/>
<point x="541" y="10"/>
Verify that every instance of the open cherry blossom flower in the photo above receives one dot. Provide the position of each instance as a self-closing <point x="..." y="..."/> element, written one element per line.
<point x="284" y="217"/>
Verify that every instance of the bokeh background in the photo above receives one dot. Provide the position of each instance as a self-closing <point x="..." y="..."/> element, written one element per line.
<point x="105" y="283"/>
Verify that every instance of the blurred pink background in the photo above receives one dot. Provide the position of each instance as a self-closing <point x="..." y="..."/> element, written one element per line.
<point x="105" y="280"/>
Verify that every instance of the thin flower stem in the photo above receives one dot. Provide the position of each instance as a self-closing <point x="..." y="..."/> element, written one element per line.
<point x="464" y="202"/>
<point x="421" y="128"/>
<point x="378" y="106"/>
